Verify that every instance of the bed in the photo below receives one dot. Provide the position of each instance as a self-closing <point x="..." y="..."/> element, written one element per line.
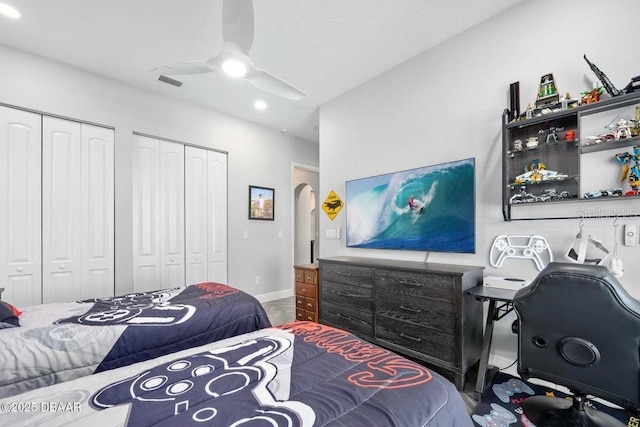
<point x="298" y="374"/>
<point x="61" y="341"/>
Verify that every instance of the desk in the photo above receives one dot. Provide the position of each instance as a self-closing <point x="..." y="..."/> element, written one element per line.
<point x="500" y="304"/>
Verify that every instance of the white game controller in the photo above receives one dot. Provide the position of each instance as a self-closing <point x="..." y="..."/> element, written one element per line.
<point x="534" y="248"/>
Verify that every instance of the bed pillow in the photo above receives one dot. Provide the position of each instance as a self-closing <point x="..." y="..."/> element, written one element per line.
<point x="9" y="314"/>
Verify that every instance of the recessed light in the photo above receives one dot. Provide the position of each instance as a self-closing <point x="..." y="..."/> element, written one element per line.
<point x="234" y="68"/>
<point x="260" y="104"/>
<point x="9" y="11"/>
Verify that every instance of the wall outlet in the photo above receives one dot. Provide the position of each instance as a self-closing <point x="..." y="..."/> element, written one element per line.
<point x="630" y="235"/>
<point x="257" y="281"/>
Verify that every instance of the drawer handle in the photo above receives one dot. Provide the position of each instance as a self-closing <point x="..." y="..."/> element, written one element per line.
<point x="345" y="294"/>
<point x="344" y="316"/>
<point x="300" y="315"/>
<point x="310" y="319"/>
<point x="344" y="274"/>
<point x="412" y="310"/>
<point x="310" y="305"/>
<point x="404" y="282"/>
<point x="304" y="289"/>
<point x="299" y="302"/>
<point x="410" y="337"/>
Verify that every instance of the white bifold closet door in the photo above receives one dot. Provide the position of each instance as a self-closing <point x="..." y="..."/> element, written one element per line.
<point x="20" y="211"/>
<point x="206" y="214"/>
<point x="158" y="214"/>
<point x="77" y="211"/>
<point x="179" y="214"/>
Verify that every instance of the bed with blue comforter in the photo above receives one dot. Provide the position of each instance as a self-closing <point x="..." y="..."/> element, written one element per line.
<point x="61" y="341"/>
<point x="299" y="374"/>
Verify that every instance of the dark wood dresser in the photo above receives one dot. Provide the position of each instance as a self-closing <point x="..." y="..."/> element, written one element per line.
<point x="306" y="292"/>
<point x="417" y="309"/>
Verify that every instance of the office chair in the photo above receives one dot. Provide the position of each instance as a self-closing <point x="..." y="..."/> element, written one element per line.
<point x="578" y="328"/>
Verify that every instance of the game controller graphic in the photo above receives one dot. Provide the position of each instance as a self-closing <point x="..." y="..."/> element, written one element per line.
<point x="498" y="417"/>
<point x="507" y="389"/>
<point x="534" y="248"/>
<point x="139" y="309"/>
<point x="220" y="387"/>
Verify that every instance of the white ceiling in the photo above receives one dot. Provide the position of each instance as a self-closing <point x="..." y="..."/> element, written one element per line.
<point x="322" y="47"/>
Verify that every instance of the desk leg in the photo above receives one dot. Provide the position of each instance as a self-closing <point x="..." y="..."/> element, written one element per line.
<point x="486" y="349"/>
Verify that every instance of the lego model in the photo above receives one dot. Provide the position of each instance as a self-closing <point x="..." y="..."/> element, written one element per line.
<point x="630" y="170"/>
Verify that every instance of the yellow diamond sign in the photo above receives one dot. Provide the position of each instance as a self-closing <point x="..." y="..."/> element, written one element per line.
<point x="332" y="205"/>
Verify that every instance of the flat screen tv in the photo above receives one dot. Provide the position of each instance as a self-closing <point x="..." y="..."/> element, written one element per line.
<point x="431" y="208"/>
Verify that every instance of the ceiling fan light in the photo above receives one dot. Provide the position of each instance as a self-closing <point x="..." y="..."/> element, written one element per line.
<point x="234" y="68"/>
<point x="9" y="11"/>
<point x="260" y="105"/>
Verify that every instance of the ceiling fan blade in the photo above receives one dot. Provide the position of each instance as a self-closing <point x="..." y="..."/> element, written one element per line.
<point x="237" y="23"/>
<point x="186" y="68"/>
<point x="270" y="83"/>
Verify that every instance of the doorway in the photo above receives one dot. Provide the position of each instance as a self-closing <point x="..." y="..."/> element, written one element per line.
<point x="305" y="214"/>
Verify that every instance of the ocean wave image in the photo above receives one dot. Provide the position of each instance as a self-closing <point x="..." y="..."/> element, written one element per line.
<point x="427" y="209"/>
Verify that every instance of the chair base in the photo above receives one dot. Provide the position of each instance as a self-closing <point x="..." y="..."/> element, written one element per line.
<point x="555" y="412"/>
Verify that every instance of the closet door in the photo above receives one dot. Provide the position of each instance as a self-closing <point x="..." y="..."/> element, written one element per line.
<point x="158" y="214"/>
<point x="20" y="217"/>
<point x="77" y="211"/>
<point x="146" y="224"/>
<point x="196" y="215"/>
<point x="217" y="216"/>
<point x="172" y="214"/>
<point x="61" y="233"/>
<point x="97" y="213"/>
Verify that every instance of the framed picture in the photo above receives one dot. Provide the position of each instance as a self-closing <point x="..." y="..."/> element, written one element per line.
<point x="261" y="202"/>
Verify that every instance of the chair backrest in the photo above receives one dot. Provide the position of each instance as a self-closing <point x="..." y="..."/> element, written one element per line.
<point x="579" y="328"/>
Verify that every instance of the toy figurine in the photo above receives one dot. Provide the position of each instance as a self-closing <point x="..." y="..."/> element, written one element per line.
<point x="631" y="170"/>
<point x="589" y="97"/>
<point x="523" y="196"/>
<point x="547" y="91"/>
<point x="537" y="171"/>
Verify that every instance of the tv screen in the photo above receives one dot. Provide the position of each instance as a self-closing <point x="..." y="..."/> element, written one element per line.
<point x="431" y="208"/>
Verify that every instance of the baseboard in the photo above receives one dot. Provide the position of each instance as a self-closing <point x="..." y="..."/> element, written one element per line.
<point x="274" y="295"/>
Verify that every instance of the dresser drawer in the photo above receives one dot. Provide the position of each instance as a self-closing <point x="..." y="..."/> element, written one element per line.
<point x="432" y="286"/>
<point x="309" y="277"/>
<point x="431" y="342"/>
<point x="423" y="311"/>
<point x="348" y="274"/>
<point x="299" y="275"/>
<point x="304" y="289"/>
<point x="337" y="317"/>
<point x="349" y="311"/>
<point x="305" y="315"/>
<point x="310" y="305"/>
<point x="347" y="295"/>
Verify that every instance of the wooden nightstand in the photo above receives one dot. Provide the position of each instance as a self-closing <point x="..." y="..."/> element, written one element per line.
<point x="306" y="292"/>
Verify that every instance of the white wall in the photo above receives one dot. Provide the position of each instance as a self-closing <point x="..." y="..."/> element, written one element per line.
<point x="257" y="156"/>
<point x="446" y="104"/>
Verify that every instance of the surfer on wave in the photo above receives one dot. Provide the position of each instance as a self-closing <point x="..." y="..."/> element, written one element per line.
<point x="414" y="205"/>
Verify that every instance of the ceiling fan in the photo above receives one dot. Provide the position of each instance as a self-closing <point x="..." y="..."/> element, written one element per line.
<point x="233" y="59"/>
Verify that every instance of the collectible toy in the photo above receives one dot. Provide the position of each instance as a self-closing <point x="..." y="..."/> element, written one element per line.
<point x="537" y="171"/>
<point x="630" y="170"/>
